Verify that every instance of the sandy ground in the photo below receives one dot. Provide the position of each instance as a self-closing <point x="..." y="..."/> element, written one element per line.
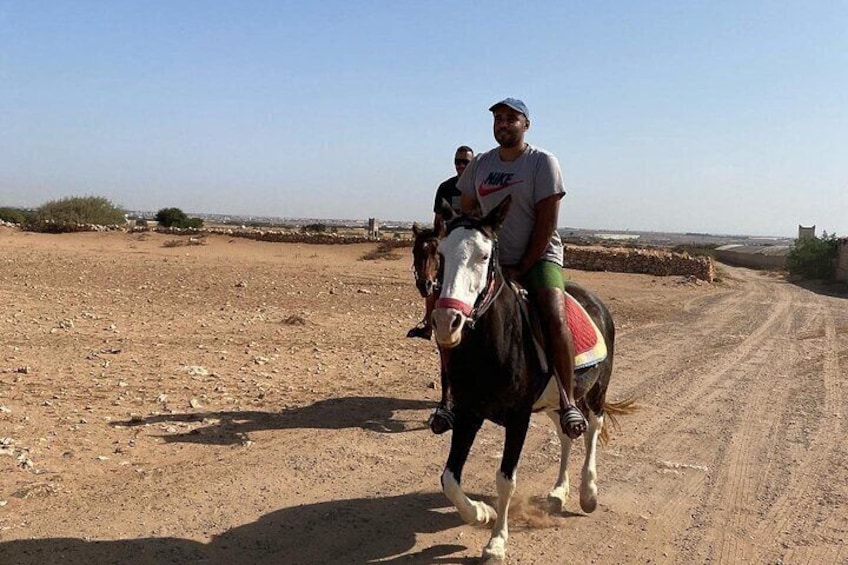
<point x="247" y="402"/>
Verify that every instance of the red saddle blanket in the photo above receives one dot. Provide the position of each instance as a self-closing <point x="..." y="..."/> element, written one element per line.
<point x="589" y="345"/>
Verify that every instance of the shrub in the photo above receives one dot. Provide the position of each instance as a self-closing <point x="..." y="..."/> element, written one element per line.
<point x="79" y="210"/>
<point x="314" y="228"/>
<point x="383" y="251"/>
<point x="15" y="215"/>
<point x="171" y="217"/>
<point x="813" y="258"/>
<point x="176" y="218"/>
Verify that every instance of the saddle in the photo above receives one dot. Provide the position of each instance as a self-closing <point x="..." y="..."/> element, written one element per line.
<point x="590" y="348"/>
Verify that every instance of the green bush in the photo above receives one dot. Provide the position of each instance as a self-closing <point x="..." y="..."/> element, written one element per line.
<point x="176" y="218"/>
<point x="171" y="217"/>
<point x="813" y="258"/>
<point x="15" y="215"/>
<point x="79" y="210"/>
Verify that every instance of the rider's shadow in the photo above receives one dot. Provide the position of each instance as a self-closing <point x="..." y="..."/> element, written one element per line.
<point x="362" y="530"/>
<point x="377" y="414"/>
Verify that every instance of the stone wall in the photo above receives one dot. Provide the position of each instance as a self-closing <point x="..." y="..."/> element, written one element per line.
<point x="644" y="261"/>
<point x="282" y="236"/>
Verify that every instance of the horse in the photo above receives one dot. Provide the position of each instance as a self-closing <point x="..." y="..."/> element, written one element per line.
<point x="425" y="260"/>
<point x="426" y="269"/>
<point x="496" y="374"/>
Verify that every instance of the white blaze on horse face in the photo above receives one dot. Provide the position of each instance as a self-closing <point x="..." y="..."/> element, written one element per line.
<point x="465" y="259"/>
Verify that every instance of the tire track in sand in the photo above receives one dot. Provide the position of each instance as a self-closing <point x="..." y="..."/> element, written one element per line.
<point x="818" y="481"/>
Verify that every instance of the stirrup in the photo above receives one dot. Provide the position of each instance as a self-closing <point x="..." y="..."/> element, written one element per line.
<point x="441" y="420"/>
<point x="422" y="331"/>
<point x="572" y="421"/>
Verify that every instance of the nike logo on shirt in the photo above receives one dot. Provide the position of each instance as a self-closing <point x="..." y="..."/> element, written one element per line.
<point x="496" y="182"/>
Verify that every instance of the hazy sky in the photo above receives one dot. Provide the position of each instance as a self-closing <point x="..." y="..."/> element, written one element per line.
<point x="725" y="117"/>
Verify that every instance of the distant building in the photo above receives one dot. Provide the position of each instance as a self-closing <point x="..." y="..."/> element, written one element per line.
<point x="806" y="233"/>
<point x="373" y="227"/>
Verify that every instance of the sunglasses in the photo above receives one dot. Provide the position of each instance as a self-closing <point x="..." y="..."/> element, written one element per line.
<point x="458" y="162"/>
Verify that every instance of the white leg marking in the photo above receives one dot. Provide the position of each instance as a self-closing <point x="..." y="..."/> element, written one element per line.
<point x="473" y="512"/>
<point x="496" y="548"/>
<point x="559" y="494"/>
<point x="588" y="480"/>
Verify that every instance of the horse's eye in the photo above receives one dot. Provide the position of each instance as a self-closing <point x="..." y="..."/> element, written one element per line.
<point x="484" y="258"/>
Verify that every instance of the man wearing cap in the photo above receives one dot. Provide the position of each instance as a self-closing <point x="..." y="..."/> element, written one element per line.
<point x="529" y="245"/>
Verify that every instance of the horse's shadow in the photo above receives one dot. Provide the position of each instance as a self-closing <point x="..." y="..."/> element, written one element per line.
<point x="231" y="427"/>
<point x="362" y="530"/>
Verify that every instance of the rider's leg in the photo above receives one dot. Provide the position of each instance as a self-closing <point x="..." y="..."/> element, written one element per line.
<point x="546" y="283"/>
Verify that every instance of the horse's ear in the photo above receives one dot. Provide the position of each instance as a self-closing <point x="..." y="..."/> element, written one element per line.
<point x="495" y="218"/>
<point x="446" y="211"/>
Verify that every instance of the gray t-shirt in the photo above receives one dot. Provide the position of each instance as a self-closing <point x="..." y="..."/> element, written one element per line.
<point x="534" y="176"/>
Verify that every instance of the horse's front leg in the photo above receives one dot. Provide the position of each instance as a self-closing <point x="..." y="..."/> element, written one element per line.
<point x="589" y="477"/>
<point x="465" y="430"/>
<point x="559" y="494"/>
<point x="516" y="433"/>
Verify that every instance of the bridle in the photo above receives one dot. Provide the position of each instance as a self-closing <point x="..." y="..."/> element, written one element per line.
<point x="495" y="281"/>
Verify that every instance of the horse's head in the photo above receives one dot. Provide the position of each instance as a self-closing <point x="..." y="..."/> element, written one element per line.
<point x="425" y="260"/>
<point x="470" y="266"/>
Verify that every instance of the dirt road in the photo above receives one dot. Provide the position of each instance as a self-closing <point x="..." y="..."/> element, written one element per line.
<point x="247" y="402"/>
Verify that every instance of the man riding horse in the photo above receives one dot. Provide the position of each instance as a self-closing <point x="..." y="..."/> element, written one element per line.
<point x="530" y="247"/>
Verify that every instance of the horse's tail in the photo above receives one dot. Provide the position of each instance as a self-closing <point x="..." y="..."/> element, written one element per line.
<point x="612" y="410"/>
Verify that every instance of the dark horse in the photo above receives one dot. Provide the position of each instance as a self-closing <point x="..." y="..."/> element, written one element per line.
<point x="495" y="373"/>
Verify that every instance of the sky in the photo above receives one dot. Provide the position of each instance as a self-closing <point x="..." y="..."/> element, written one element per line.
<point x="722" y="117"/>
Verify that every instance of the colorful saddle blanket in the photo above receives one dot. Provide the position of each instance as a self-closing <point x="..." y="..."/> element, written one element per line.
<point x="590" y="348"/>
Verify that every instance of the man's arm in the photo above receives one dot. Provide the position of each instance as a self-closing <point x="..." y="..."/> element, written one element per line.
<point x="438" y="223"/>
<point x="547" y="213"/>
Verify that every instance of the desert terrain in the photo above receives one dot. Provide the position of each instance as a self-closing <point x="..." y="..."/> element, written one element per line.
<point x="236" y="401"/>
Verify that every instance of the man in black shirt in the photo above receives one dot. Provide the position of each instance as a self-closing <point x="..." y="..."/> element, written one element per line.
<point x="447" y="191"/>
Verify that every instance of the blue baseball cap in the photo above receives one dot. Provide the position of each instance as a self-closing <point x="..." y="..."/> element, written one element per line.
<point x="513" y="103"/>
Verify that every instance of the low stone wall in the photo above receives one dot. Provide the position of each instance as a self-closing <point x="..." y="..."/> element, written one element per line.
<point x="643" y="261"/>
<point x="280" y="236"/>
<point x="50" y="226"/>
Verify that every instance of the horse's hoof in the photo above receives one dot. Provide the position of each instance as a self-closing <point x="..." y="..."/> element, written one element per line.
<point x="589" y="500"/>
<point x="495" y="552"/>
<point x="556" y="503"/>
<point x="486" y="515"/>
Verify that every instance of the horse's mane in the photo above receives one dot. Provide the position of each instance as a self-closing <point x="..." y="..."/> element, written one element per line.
<point x="428" y="233"/>
<point x="471" y="222"/>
